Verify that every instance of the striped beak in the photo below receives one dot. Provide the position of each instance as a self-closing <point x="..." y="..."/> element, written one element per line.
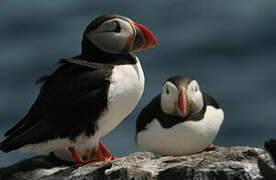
<point x="183" y="104"/>
<point x="143" y="39"/>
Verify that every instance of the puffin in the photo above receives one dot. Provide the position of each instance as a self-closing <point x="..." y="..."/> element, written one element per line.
<point x="181" y="120"/>
<point x="88" y="95"/>
<point x="266" y="170"/>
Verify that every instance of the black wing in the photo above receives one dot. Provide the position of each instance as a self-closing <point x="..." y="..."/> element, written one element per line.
<point x="70" y="101"/>
<point x="209" y="100"/>
<point x="148" y="114"/>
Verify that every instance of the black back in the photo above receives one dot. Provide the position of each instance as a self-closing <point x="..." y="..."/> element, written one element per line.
<point x="154" y="111"/>
<point x="70" y="102"/>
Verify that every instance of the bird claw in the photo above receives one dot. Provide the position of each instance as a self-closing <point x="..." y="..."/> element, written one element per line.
<point x="210" y="147"/>
<point x="110" y="159"/>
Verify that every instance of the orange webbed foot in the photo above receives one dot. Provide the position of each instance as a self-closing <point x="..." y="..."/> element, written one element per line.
<point x="102" y="154"/>
<point x="210" y="147"/>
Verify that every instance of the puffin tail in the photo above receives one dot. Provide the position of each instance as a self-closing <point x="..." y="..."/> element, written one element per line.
<point x="7" y="145"/>
<point x="270" y="146"/>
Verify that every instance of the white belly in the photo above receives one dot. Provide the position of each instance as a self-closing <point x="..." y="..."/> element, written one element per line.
<point x="126" y="89"/>
<point x="184" y="138"/>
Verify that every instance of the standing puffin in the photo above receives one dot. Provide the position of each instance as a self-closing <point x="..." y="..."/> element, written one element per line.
<point x="88" y="95"/>
<point x="181" y="120"/>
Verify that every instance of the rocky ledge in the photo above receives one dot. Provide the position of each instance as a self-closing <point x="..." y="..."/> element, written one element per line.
<point x="221" y="163"/>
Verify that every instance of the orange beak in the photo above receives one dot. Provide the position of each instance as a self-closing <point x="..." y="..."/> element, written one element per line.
<point x="183" y="102"/>
<point x="144" y="38"/>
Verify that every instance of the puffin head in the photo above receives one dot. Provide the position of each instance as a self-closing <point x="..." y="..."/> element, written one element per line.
<point x="181" y="96"/>
<point x="116" y="34"/>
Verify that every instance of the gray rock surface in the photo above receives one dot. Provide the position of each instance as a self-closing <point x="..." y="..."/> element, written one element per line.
<point x="221" y="163"/>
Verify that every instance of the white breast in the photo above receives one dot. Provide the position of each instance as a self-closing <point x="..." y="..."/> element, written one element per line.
<point x="184" y="138"/>
<point x="126" y="89"/>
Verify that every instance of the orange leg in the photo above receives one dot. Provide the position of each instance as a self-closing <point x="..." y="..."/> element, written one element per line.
<point x="104" y="150"/>
<point x="79" y="159"/>
<point x="104" y="154"/>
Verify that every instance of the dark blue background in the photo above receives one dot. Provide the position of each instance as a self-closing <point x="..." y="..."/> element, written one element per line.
<point x="229" y="46"/>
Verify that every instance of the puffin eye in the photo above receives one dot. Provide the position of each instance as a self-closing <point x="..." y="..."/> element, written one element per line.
<point x="167" y="90"/>
<point x="196" y="89"/>
<point x="118" y="27"/>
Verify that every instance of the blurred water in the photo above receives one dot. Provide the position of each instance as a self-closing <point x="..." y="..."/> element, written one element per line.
<point x="229" y="46"/>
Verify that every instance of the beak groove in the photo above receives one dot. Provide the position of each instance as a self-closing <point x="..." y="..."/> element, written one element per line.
<point x="183" y="102"/>
<point x="144" y="38"/>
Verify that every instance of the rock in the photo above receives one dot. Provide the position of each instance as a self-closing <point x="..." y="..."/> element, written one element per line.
<point x="222" y="163"/>
<point x="34" y="168"/>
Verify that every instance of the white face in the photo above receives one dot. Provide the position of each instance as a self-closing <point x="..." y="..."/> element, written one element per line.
<point x="170" y="98"/>
<point x="195" y="97"/>
<point x="112" y="36"/>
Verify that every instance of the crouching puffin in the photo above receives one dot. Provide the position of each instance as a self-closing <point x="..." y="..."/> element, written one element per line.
<point x="88" y="95"/>
<point x="181" y="120"/>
